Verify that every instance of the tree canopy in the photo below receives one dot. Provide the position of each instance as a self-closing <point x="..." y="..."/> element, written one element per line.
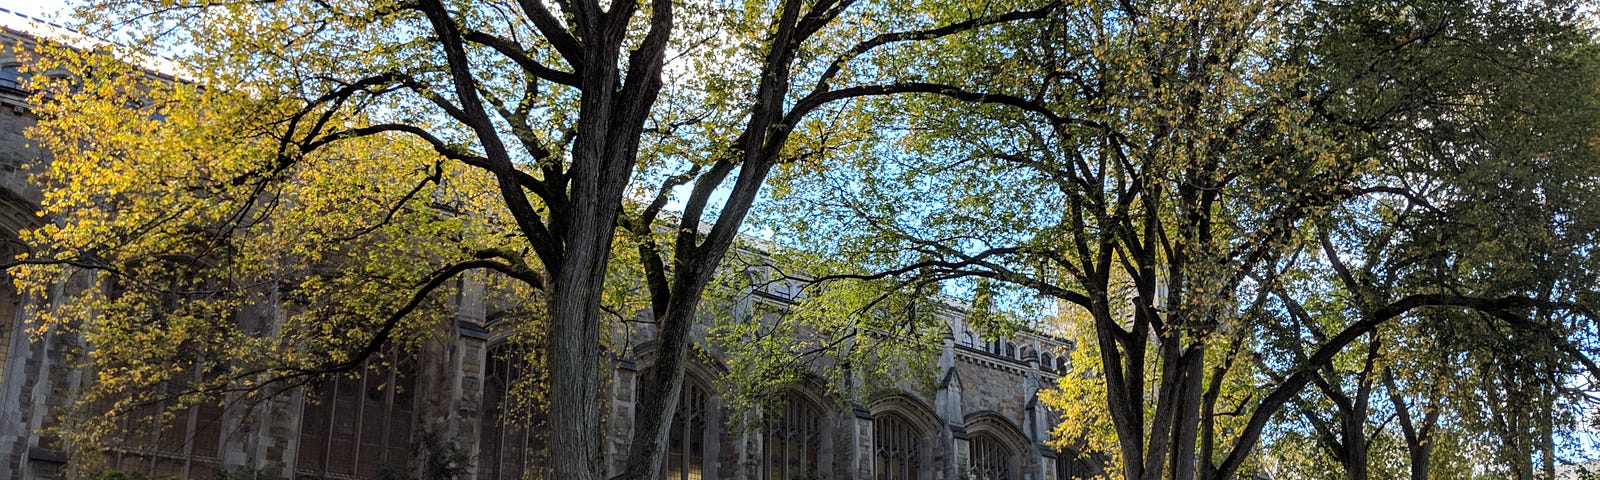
<point x="341" y="163"/>
<point x="1235" y="203"/>
<point x="1261" y="220"/>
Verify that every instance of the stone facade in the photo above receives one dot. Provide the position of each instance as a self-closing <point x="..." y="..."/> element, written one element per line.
<point x="981" y="418"/>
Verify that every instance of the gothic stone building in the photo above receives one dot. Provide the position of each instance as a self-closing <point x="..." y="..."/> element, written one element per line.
<point x="983" y="419"/>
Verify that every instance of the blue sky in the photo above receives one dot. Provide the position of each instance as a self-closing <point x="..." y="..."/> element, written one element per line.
<point x="37" y="8"/>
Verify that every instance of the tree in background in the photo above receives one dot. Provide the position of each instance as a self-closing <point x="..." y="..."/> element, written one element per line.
<point x="1183" y="175"/>
<point x="1483" y="194"/>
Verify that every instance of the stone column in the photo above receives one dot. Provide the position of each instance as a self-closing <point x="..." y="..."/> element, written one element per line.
<point x="461" y="358"/>
<point x="263" y="436"/>
<point x="859" y="443"/>
<point x="46" y="385"/>
<point x="961" y="452"/>
<point x="1038" y="466"/>
<point x="947" y="403"/>
<point x="466" y="425"/>
<point x="619" y="431"/>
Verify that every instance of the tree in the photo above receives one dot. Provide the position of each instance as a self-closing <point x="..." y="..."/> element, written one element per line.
<point x="1183" y="158"/>
<point x="556" y="114"/>
<point x="1460" y="177"/>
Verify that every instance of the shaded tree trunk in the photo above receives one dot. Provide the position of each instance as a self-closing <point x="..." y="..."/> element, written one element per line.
<point x="1418" y="436"/>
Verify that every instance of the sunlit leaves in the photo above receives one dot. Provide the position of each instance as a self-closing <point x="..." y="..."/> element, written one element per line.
<point x="198" y="240"/>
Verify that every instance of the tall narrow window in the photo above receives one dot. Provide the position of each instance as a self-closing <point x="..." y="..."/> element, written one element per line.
<point x="159" y="439"/>
<point x="991" y="460"/>
<point x="794" y="440"/>
<point x="896" y="447"/>
<point x="686" y="447"/>
<point x="512" y="441"/>
<point x="361" y="426"/>
<point x="166" y="432"/>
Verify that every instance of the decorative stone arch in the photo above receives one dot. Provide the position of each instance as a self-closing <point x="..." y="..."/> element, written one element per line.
<point x="990" y="426"/>
<point x="920" y="413"/>
<point x="889" y="415"/>
<point x="702" y="365"/>
<point x="701" y="369"/>
<point x="1074" y="464"/>
<point x="811" y="386"/>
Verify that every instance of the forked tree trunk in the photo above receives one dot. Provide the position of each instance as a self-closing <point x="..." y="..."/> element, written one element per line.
<point x="1418" y="437"/>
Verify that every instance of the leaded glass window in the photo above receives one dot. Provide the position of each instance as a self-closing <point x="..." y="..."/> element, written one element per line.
<point x="794" y="440"/>
<point x="512" y="442"/>
<point x="686" y="446"/>
<point x="11" y="77"/>
<point x="990" y="458"/>
<point x="361" y="425"/>
<point x="897" y="447"/>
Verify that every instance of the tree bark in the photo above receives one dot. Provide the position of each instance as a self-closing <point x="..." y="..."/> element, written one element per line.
<point x="574" y="373"/>
<point x="1192" y="364"/>
<point x="1418" y="438"/>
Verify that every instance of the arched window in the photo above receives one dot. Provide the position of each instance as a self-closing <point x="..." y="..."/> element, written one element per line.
<point x="991" y="460"/>
<point x="512" y="439"/>
<point x="1047" y="362"/>
<point x="794" y="441"/>
<point x="966" y="339"/>
<point x="897" y="447"/>
<point x="686" y="447"/>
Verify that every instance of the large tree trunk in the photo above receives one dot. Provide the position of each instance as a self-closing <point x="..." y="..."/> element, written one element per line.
<point x="1547" y="438"/>
<point x="1187" y="415"/>
<point x="603" y="155"/>
<point x="575" y="337"/>
<point x="1355" y="447"/>
<point x="1353" y="418"/>
<point x="574" y="377"/>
